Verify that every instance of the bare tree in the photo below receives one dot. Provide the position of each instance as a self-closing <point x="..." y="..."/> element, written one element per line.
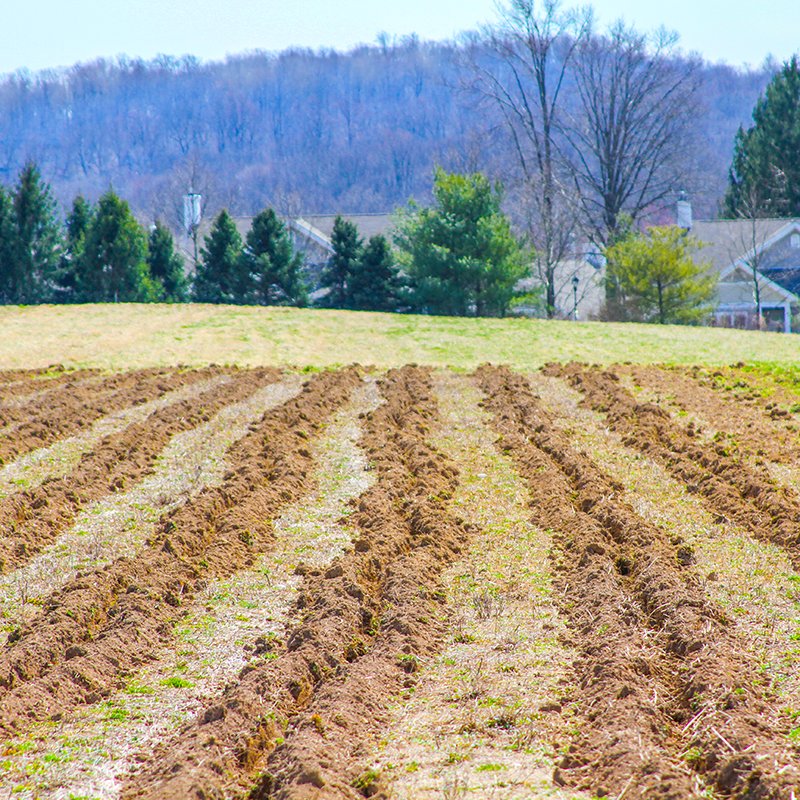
<point x="628" y="140"/>
<point x="747" y="245"/>
<point x="522" y="71"/>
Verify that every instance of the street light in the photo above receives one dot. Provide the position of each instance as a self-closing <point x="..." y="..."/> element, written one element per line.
<point x="575" y="282"/>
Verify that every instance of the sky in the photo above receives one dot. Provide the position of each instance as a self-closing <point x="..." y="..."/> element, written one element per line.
<point x="44" y="34"/>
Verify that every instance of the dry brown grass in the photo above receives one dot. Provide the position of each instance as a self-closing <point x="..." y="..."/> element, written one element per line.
<point x="127" y="335"/>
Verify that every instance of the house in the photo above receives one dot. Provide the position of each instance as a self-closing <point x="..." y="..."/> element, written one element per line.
<point x="738" y="250"/>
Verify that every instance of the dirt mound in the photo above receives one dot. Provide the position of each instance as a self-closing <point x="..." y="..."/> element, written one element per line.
<point x="368" y="621"/>
<point x="31" y="520"/>
<point x="660" y="667"/>
<point x="104" y="624"/>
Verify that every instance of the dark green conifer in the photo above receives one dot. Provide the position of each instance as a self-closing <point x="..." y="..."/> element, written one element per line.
<point x="166" y="266"/>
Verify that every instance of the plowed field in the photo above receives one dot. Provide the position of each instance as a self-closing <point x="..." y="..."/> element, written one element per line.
<point x="256" y="583"/>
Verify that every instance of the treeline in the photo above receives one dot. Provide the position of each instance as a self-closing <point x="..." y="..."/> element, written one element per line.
<point x="457" y="256"/>
<point x="299" y="130"/>
<point x="101" y="253"/>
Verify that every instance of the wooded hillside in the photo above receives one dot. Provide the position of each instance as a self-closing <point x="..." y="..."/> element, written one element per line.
<point x="300" y="130"/>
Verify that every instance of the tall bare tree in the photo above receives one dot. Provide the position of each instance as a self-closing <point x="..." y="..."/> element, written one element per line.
<point x="629" y="139"/>
<point x="522" y="70"/>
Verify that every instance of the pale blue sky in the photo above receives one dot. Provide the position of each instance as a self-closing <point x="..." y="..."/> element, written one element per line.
<point x="39" y="34"/>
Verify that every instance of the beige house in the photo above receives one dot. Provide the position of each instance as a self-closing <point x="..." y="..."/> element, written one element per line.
<point x="742" y="250"/>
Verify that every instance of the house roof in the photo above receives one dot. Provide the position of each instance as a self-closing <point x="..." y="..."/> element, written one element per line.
<point x="317" y="227"/>
<point x="730" y="245"/>
<point x="368" y="224"/>
<point x="728" y="240"/>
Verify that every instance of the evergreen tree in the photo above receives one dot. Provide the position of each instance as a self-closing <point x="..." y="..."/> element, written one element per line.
<point x="8" y="247"/>
<point x="656" y="280"/>
<point x="764" y="179"/>
<point x="221" y="277"/>
<point x="274" y="269"/>
<point x="166" y="266"/>
<point x="375" y="284"/>
<point x="113" y="264"/>
<point x="77" y="226"/>
<point x="461" y="255"/>
<point x="347" y="247"/>
<point x="38" y="240"/>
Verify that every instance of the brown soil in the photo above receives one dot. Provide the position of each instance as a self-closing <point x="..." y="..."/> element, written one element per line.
<point x="19" y="390"/>
<point x="31" y="520"/>
<point x="369" y="620"/>
<point x="686" y="711"/>
<point x="74" y="406"/>
<point x="756" y="427"/>
<point x="11" y="375"/>
<point x="104" y="624"/>
<point x="741" y="492"/>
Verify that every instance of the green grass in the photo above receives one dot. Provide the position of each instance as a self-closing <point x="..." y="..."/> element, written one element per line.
<point x="129" y="335"/>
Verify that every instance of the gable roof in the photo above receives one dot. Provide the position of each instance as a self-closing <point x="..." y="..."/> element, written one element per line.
<point x="729" y="240"/>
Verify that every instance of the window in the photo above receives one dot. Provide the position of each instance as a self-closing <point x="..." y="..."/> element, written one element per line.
<point x="794" y="240"/>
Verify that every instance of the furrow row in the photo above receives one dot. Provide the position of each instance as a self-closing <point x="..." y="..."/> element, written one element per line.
<point x="108" y="622"/>
<point x="660" y="665"/>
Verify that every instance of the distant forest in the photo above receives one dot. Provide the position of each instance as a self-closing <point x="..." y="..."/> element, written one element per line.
<point x="302" y="131"/>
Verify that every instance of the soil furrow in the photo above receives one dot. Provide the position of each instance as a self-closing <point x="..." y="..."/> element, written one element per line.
<point x="482" y="720"/>
<point x="760" y="430"/>
<point x="743" y="493"/>
<point x="121" y="523"/>
<point x="226" y="623"/>
<point x="10" y="375"/>
<point x="59" y="459"/>
<point x="31" y="520"/>
<point x="104" y="624"/>
<point x="682" y="647"/>
<point x="367" y="621"/>
<point x="74" y="407"/>
<point x="752" y="580"/>
<point x="23" y="391"/>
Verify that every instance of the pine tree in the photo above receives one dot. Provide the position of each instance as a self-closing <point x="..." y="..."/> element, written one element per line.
<point x="221" y="277"/>
<point x="764" y="179"/>
<point x="113" y="265"/>
<point x="347" y="248"/>
<point x="274" y="269"/>
<point x="38" y="240"/>
<point x="166" y="266"/>
<point x="375" y="284"/>
<point x="8" y="247"/>
<point x="461" y="254"/>
<point x="77" y="226"/>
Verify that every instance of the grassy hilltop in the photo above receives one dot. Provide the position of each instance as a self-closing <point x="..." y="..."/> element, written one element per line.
<point x="128" y="335"/>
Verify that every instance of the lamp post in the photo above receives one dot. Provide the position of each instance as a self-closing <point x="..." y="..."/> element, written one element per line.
<point x="575" y="282"/>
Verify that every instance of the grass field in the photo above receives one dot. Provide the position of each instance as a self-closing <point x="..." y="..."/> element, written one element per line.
<point x="124" y="336"/>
